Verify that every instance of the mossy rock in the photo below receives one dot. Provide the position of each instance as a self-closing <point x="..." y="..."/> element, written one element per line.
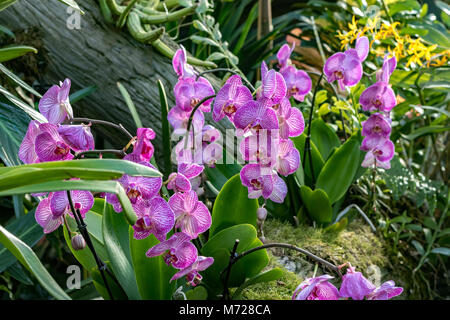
<point x="356" y="244"/>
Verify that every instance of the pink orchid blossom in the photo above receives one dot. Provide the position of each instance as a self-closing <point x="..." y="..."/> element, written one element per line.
<point x="189" y="92"/>
<point x="191" y="215"/>
<point x="178" y="251"/>
<point x="290" y="119"/>
<point x="143" y="147"/>
<point x="192" y="274"/>
<point x="288" y="159"/>
<point x="258" y="184"/>
<point x="298" y="82"/>
<point x="355" y="286"/>
<point x="154" y="217"/>
<point x="389" y="65"/>
<point x="378" y="96"/>
<point x="273" y="87"/>
<point x="346" y="67"/>
<point x="254" y="116"/>
<point x="55" y="104"/>
<point x="230" y="98"/>
<point x="179" y="119"/>
<point x="49" y="145"/>
<point x="317" y="288"/>
<point x="379" y="155"/>
<point x="180" y="181"/>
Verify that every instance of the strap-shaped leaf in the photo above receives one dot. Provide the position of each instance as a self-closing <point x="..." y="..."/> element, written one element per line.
<point x="28" y="258"/>
<point x="92" y="185"/>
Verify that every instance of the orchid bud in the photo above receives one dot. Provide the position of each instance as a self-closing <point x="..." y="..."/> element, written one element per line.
<point x="262" y="214"/>
<point x="78" y="242"/>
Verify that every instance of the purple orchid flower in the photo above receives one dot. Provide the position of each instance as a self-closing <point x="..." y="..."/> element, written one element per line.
<point x="317" y="288"/>
<point x="254" y="116"/>
<point x="258" y="184"/>
<point x="179" y="119"/>
<point x="77" y="137"/>
<point x="355" y="286"/>
<point x="178" y="251"/>
<point x="290" y="119"/>
<point x="180" y="181"/>
<point x="284" y="54"/>
<point x="378" y="96"/>
<point x="389" y="65"/>
<point x="50" y="211"/>
<point x="288" y="159"/>
<point x="143" y="147"/>
<point x="378" y="125"/>
<point x="82" y="200"/>
<point x="55" y="104"/>
<point x="49" y="145"/>
<point x="273" y="87"/>
<point x="259" y="148"/>
<point x="189" y="92"/>
<point x="154" y="217"/>
<point x="180" y="66"/>
<point x="192" y="274"/>
<point x="191" y="215"/>
<point x="279" y="191"/>
<point x="346" y="67"/>
<point x="138" y="189"/>
<point x="45" y="218"/>
<point x="231" y="97"/>
<point x="379" y="155"/>
<point x="386" y="291"/>
<point x="27" y="151"/>
<point x="298" y="82"/>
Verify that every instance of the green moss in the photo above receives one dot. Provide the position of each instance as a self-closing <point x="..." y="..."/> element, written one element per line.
<point x="356" y="244"/>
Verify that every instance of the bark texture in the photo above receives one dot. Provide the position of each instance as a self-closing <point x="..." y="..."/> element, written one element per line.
<point x="99" y="54"/>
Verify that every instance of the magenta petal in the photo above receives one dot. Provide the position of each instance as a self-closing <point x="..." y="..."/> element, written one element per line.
<point x="27" y="151"/>
<point x="352" y="72"/>
<point x="362" y="48"/>
<point x="78" y="137"/>
<point x="161" y="215"/>
<point x="355" y="286"/>
<point x="296" y="123"/>
<point x="190" y="170"/>
<point x="45" y="218"/>
<point x="333" y="63"/>
<point x="279" y="190"/>
<point x="186" y="255"/>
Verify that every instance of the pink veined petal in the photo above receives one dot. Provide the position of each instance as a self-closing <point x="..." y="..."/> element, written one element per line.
<point x="148" y="186"/>
<point x="176" y="203"/>
<point x="333" y="63"/>
<point x="362" y="48"/>
<point x="112" y="199"/>
<point x="63" y="93"/>
<point x="139" y="235"/>
<point x="220" y="102"/>
<point x="190" y="170"/>
<point x="264" y="70"/>
<point x="355" y="286"/>
<point x="270" y="84"/>
<point x="45" y="147"/>
<point x="83" y="200"/>
<point x="27" y="151"/>
<point x="59" y="203"/>
<point x="202" y="217"/>
<point x="269" y="120"/>
<point x="184" y="92"/>
<point x="267" y="186"/>
<point x="50" y="107"/>
<point x="242" y="96"/>
<point x="352" y="72"/>
<point x="246" y="115"/>
<point x="387" y="149"/>
<point x="186" y="255"/>
<point x="178" y="61"/>
<point x="182" y="183"/>
<point x="190" y="200"/>
<point x="160" y="248"/>
<point x="279" y="190"/>
<point x="249" y="172"/>
<point x="369" y="160"/>
<point x="44" y="216"/>
<point x="389" y="100"/>
<point x="204" y="263"/>
<point x="203" y="90"/>
<point x="161" y="215"/>
<point x="284" y="54"/>
<point x="295" y="122"/>
<point x="78" y="137"/>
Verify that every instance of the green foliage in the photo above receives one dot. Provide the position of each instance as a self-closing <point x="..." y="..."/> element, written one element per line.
<point x="232" y="207"/>
<point x="317" y="204"/>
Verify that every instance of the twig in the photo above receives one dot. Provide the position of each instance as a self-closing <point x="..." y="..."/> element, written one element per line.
<point x="106" y="123"/>
<point x="235" y="258"/>
<point x="120" y="153"/>
<point x="192" y="116"/>
<point x="82" y="228"/>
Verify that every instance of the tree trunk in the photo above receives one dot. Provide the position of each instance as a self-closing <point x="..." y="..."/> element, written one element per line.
<point x="99" y="54"/>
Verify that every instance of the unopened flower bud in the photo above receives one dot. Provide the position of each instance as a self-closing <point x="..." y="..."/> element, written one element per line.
<point x="262" y="214"/>
<point x="78" y="242"/>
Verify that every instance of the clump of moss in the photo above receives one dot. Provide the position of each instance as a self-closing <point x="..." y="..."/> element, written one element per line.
<point x="357" y="244"/>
